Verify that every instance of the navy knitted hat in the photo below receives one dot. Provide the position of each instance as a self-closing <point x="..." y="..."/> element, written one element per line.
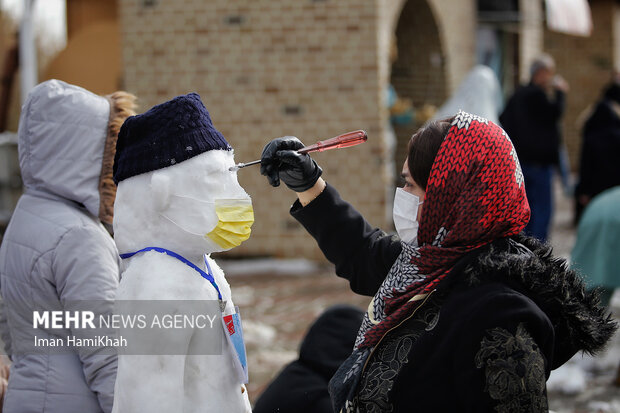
<point x="167" y="134"/>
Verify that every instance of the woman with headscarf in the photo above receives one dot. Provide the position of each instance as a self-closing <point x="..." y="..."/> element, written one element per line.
<point x="467" y="314"/>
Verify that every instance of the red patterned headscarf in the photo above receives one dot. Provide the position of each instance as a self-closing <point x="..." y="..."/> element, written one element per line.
<point x="474" y="195"/>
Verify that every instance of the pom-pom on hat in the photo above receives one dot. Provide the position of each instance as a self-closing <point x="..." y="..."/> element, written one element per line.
<point x="165" y="135"/>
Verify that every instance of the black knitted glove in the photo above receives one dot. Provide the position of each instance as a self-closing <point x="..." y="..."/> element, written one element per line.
<point x="281" y="161"/>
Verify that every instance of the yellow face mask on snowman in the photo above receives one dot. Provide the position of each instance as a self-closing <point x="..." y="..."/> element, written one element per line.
<point x="235" y="219"/>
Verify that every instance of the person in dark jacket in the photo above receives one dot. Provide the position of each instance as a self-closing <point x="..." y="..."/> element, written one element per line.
<point x="532" y="119"/>
<point x="302" y="385"/>
<point x="467" y="314"/>
<point x="599" y="168"/>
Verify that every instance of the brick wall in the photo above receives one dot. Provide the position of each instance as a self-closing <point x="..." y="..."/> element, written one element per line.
<point x="420" y="73"/>
<point x="454" y="23"/>
<point x="431" y="59"/>
<point x="531" y="30"/>
<point x="586" y="63"/>
<point x="311" y="68"/>
<point x="83" y="13"/>
<point x="457" y="27"/>
<point x="268" y="68"/>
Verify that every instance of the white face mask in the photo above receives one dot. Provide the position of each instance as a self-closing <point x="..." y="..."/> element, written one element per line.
<point x="223" y="222"/>
<point x="406" y="216"/>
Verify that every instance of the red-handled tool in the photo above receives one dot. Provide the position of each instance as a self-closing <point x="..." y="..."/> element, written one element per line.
<point x="341" y="141"/>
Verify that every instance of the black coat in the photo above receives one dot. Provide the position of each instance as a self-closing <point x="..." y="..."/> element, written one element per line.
<point x="599" y="168"/>
<point x="485" y="340"/>
<point x="531" y="120"/>
<point x="302" y="385"/>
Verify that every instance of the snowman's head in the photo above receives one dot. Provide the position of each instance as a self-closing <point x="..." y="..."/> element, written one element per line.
<point x="175" y="189"/>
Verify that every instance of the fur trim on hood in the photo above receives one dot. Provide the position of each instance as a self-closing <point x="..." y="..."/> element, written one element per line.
<point x="122" y="105"/>
<point x="581" y="323"/>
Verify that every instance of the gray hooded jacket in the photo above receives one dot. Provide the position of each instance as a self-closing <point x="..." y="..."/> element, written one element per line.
<point x="56" y="252"/>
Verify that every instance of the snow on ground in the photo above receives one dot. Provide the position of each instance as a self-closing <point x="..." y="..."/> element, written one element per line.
<point x="256" y="332"/>
<point x="260" y="266"/>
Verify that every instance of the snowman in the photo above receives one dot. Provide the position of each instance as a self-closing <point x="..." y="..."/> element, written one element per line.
<point x="177" y="202"/>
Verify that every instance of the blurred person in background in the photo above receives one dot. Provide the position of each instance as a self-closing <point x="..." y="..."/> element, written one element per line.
<point x="55" y="251"/>
<point x="597" y="248"/>
<point x="479" y="94"/>
<point x="532" y="120"/>
<point x="468" y="314"/>
<point x="302" y="385"/>
<point x="599" y="168"/>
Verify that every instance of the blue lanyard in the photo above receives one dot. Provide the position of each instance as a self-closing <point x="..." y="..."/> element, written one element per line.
<point x="206" y="275"/>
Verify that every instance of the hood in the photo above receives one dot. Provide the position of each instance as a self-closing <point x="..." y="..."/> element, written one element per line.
<point x="581" y="323"/>
<point x="62" y="132"/>
<point x="330" y="339"/>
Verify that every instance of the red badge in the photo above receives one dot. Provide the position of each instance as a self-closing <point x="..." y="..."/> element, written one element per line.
<point x="228" y="320"/>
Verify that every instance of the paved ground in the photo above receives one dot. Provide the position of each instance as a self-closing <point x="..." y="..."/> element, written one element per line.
<point x="277" y="310"/>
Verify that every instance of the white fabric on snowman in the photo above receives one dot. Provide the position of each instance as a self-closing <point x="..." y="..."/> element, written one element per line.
<point x="148" y="209"/>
